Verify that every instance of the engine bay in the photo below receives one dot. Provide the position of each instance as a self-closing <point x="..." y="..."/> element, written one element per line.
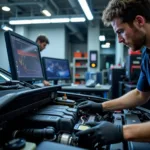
<point x="45" y="115"/>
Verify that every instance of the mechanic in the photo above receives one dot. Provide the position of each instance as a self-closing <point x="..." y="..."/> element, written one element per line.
<point x="130" y="20"/>
<point x="42" y="41"/>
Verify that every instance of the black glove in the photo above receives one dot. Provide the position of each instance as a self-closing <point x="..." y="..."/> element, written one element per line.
<point x="104" y="133"/>
<point x="91" y="106"/>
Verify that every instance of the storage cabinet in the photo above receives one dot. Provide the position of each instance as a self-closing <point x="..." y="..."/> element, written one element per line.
<point x="79" y="69"/>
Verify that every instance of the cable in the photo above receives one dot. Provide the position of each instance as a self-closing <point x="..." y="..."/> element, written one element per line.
<point x="2" y="87"/>
<point x="5" y="72"/>
<point x="11" y="82"/>
<point x="29" y="85"/>
<point x="14" y="84"/>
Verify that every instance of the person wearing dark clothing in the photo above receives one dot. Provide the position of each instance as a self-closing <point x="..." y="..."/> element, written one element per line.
<point x="42" y="41"/>
<point x="130" y="20"/>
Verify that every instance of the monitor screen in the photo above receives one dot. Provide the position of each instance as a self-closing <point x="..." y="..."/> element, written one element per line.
<point x="56" y="69"/>
<point x="24" y="58"/>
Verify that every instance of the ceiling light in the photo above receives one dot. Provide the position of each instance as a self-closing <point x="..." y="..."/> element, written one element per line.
<point x="102" y="37"/>
<point x="79" y="19"/>
<point x="42" y="19"/>
<point x="86" y="9"/>
<point x="5" y="8"/>
<point x="107" y="45"/>
<point x="46" y="12"/>
<point x="6" y="28"/>
<point x="34" y="21"/>
<point x="59" y="20"/>
<point x="104" y="46"/>
<point x="18" y="22"/>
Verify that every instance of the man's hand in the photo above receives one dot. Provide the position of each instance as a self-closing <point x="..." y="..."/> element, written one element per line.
<point x="46" y="83"/>
<point x="91" y="106"/>
<point x="104" y="133"/>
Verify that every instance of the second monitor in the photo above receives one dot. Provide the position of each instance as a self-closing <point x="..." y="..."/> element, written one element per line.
<point x="56" y="69"/>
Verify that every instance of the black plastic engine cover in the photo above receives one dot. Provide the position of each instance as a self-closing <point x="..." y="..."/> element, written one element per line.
<point x="42" y="121"/>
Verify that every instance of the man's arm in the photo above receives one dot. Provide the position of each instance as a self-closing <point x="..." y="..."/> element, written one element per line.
<point x="137" y="132"/>
<point x="131" y="99"/>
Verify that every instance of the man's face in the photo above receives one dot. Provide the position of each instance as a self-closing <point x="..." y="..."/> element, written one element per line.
<point x="42" y="45"/>
<point x="131" y="36"/>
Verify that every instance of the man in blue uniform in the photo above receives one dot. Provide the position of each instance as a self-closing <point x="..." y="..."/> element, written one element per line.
<point x="130" y="20"/>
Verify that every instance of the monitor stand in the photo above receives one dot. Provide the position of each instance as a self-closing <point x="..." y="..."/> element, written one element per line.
<point x="55" y="82"/>
<point x="30" y="82"/>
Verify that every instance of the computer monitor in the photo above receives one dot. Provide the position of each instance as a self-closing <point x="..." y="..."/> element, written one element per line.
<point x="56" y="69"/>
<point x="24" y="58"/>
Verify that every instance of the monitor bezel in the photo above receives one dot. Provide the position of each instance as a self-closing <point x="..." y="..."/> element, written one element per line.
<point x="59" y="59"/>
<point x="11" y="57"/>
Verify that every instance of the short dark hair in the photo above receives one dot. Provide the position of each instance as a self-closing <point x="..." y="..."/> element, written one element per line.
<point x="42" y="38"/>
<point x="126" y="10"/>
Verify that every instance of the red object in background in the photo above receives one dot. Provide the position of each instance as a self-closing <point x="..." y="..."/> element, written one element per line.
<point x="77" y="54"/>
<point x="77" y="75"/>
<point x="77" y="64"/>
<point x="135" y="67"/>
<point x="85" y="54"/>
<point x="130" y="52"/>
<point x="77" y="82"/>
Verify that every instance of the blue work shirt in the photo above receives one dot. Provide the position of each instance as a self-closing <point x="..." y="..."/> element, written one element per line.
<point x="144" y="78"/>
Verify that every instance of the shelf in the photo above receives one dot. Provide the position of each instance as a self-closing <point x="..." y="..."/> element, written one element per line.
<point x="82" y="58"/>
<point x="81" y="67"/>
<point x="83" y="78"/>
